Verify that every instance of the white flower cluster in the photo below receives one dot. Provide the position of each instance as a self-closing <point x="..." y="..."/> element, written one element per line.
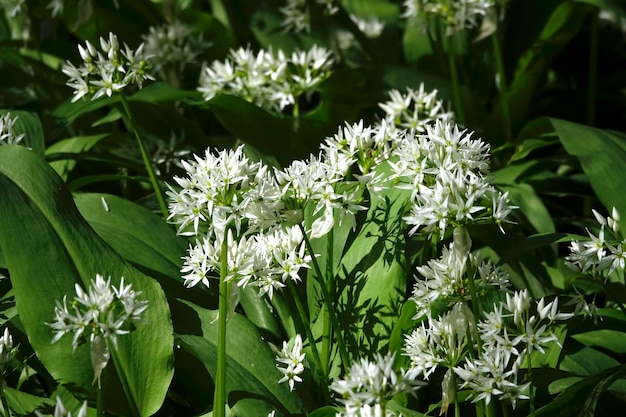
<point x="61" y="411"/>
<point x="456" y="15"/>
<point x="446" y="280"/>
<point x="7" y="351"/>
<point x="291" y="362"/>
<point x="107" y="71"/>
<point x="103" y="313"/>
<point x="271" y="81"/>
<point x="485" y="352"/>
<point x="297" y="16"/>
<point x="415" y="109"/>
<point x="369" y="385"/>
<point x="12" y="8"/>
<point x="372" y="27"/>
<point x="445" y="169"/>
<point x="173" y="45"/>
<point x="104" y="310"/>
<point x="228" y="196"/>
<point x="7" y="137"/>
<point x="597" y="259"/>
<point x="601" y="253"/>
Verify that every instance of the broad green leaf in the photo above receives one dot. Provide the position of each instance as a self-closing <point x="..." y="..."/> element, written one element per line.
<point x="370" y="279"/>
<point x="22" y="403"/>
<point x="73" y="146"/>
<point x="586" y="361"/>
<point x="524" y="197"/>
<point x="324" y="412"/>
<point x="612" y="340"/>
<point x="29" y="125"/>
<point x="134" y="232"/>
<point x="250" y="365"/>
<point x="162" y="92"/>
<point x="602" y="156"/>
<point x="580" y="399"/>
<point x="256" y="126"/>
<point x="614" y="6"/>
<point x="49" y="248"/>
<point x="563" y="24"/>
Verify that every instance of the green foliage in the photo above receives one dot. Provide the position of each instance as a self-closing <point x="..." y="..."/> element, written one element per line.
<point x="78" y="202"/>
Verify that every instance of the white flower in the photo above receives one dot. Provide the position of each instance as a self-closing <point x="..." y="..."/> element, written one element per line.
<point x="270" y="80"/>
<point x="7" y="351"/>
<point x="108" y="69"/>
<point x="7" y="135"/>
<point x="173" y="45"/>
<point x="103" y="313"/>
<point x="61" y="411"/>
<point x="291" y="362"/>
<point x="372" y="382"/>
<point x="456" y="15"/>
<point x="415" y="110"/>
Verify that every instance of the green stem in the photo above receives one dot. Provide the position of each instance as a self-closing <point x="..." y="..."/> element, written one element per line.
<point x="219" y="396"/>
<point x="457" y="408"/>
<point x="99" y="402"/>
<point x="296" y="114"/>
<point x="317" y="363"/>
<point x="146" y="160"/>
<point x="532" y="392"/>
<point x="327" y="301"/>
<point x="6" y="411"/>
<point x="456" y="86"/>
<point x="593" y="70"/>
<point x="504" y="86"/>
<point x="122" y="372"/>
<point x="329" y="282"/>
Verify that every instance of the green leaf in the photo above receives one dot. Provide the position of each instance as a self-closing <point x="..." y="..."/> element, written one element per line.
<point x="250" y="364"/>
<point x="602" y="156"/>
<point x="529" y="203"/>
<point x="22" y="403"/>
<point x="75" y="145"/>
<point x="27" y="123"/>
<point x="612" y="340"/>
<point x="49" y="248"/>
<point x="134" y="232"/>
<point x="324" y="412"/>
<point x="370" y="277"/>
<point x="163" y="92"/>
<point x="570" y="402"/>
<point x="533" y="66"/>
<point x="253" y="125"/>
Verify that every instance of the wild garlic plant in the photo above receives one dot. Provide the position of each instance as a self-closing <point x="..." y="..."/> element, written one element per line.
<point x="455" y="15"/>
<point x="370" y="384"/>
<point x="101" y="314"/>
<point x="445" y="20"/>
<point x="270" y="80"/>
<point x="61" y="411"/>
<point x="477" y="328"/>
<point x="172" y="47"/>
<point x="297" y="15"/>
<point x="7" y="135"/>
<point x="598" y="262"/>
<point x="112" y="70"/>
<point x="250" y="223"/>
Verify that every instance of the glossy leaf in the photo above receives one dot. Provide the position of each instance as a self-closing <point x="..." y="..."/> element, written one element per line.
<point x="250" y="364"/>
<point x="29" y="125"/>
<point x="49" y="247"/>
<point x="602" y="156"/>
<point x="137" y="234"/>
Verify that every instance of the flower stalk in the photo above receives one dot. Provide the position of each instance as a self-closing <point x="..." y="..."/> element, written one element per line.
<point x="219" y="397"/>
<point x="146" y="160"/>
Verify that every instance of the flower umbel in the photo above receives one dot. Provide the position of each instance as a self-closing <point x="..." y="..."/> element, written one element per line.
<point x="291" y="362"/>
<point x="102" y="313"/>
<point x="108" y="70"/>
